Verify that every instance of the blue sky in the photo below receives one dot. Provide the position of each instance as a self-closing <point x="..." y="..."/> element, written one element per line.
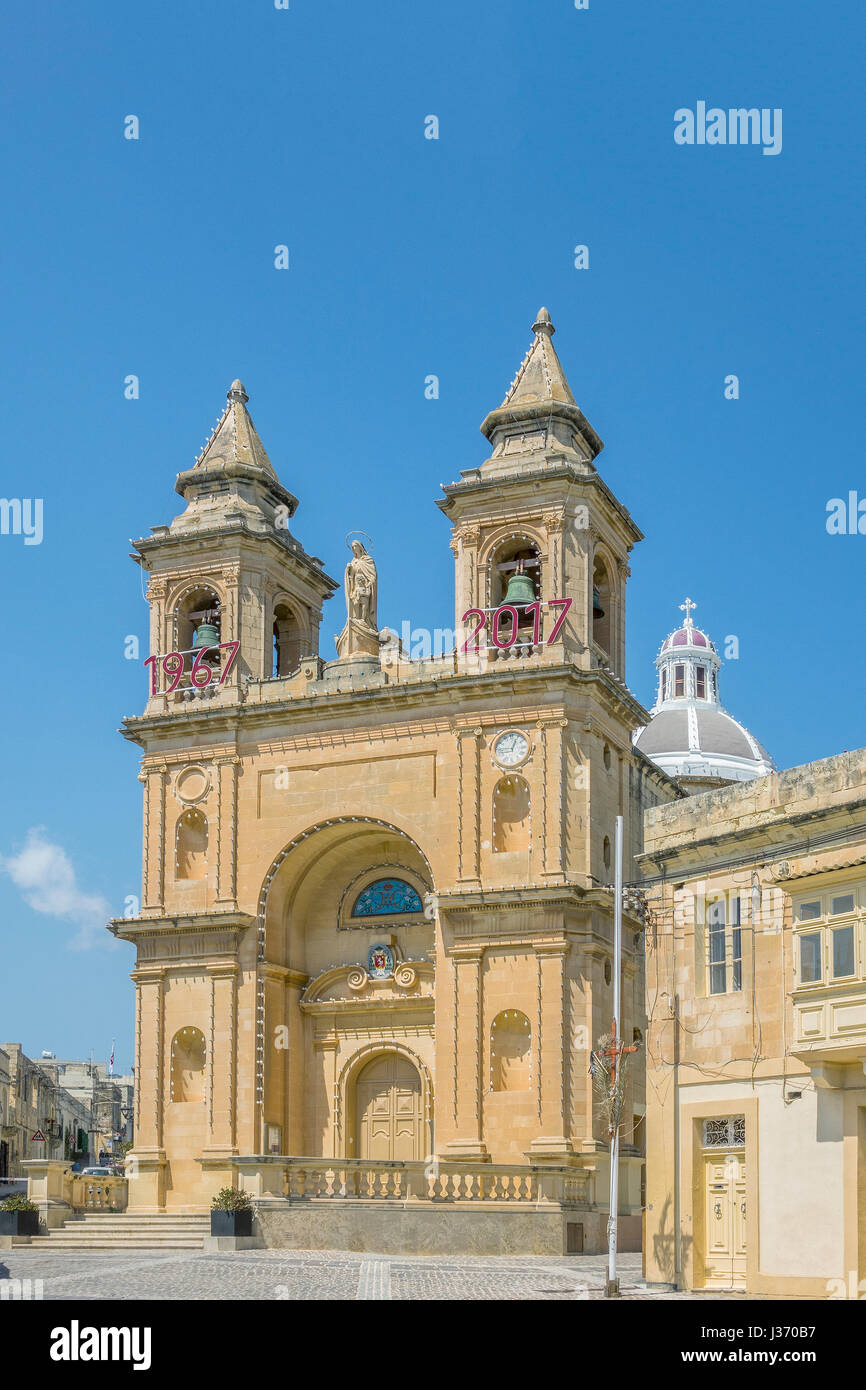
<point x="408" y="257"/>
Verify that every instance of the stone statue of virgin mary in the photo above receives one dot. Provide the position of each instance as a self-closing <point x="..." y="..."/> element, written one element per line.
<point x="360" y="636"/>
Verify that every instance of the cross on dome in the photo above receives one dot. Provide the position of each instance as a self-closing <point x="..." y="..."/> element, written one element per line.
<point x="687" y="607"/>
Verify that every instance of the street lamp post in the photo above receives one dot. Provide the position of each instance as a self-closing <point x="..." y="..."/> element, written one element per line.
<point x="615" y="1052"/>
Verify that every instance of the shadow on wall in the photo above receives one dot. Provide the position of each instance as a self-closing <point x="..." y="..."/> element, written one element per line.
<point x="830" y="1127"/>
<point x="665" y="1246"/>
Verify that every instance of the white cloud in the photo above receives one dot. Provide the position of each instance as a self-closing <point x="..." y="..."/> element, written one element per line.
<point x="45" y="877"/>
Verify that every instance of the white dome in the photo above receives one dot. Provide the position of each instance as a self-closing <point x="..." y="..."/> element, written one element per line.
<point x="691" y="736"/>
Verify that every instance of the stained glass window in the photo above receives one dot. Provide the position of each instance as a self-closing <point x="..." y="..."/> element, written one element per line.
<point x="386" y="897"/>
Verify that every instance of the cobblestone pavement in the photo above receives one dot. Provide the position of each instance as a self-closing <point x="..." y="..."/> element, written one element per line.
<point x="315" y="1274"/>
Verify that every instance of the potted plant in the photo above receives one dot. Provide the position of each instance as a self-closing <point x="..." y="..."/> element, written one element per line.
<point x="18" y="1216"/>
<point x="231" y="1213"/>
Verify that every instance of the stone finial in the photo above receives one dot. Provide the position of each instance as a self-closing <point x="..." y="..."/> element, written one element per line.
<point x="236" y="392"/>
<point x="543" y="324"/>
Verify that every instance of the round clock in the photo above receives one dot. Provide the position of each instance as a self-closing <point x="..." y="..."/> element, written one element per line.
<point x="511" y="748"/>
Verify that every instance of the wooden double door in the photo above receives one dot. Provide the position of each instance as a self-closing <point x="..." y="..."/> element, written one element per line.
<point x="725" y="1221"/>
<point x="388" y="1105"/>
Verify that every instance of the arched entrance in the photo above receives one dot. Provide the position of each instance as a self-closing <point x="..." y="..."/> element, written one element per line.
<point x="389" y="1109"/>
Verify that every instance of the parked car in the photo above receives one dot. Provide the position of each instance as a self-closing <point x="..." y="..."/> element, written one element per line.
<point x="96" y="1173"/>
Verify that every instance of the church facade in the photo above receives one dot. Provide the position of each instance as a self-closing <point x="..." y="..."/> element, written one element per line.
<point x="375" y="937"/>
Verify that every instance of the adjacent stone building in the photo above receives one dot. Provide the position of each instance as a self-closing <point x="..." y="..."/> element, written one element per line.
<point x="376" y="922"/>
<point x="756" y="1046"/>
<point x="32" y="1104"/>
<point x="107" y="1096"/>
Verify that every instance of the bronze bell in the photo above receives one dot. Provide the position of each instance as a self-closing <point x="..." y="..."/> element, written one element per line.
<point x="597" y="610"/>
<point x="520" y="591"/>
<point x="207" y="635"/>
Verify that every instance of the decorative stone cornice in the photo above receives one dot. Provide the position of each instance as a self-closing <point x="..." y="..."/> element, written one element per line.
<point x="172" y="938"/>
<point x="433" y="696"/>
<point x="552" y="948"/>
<point x="366" y="992"/>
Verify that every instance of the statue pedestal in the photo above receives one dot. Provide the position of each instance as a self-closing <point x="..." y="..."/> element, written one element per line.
<point x="355" y="667"/>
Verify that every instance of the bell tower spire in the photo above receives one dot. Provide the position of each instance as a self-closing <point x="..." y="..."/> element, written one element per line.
<point x="232" y="476"/>
<point x="537" y="509"/>
<point x="539" y="411"/>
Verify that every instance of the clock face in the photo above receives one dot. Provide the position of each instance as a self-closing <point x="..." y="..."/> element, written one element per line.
<point x="510" y="749"/>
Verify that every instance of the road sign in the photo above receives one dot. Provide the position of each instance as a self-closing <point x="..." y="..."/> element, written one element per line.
<point x="38" y="1137"/>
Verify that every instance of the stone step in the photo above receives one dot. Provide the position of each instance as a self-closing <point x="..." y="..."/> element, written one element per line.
<point x="85" y="1232"/>
<point x="119" y="1243"/>
<point x="158" y="1223"/>
<point x="118" y="1231"/>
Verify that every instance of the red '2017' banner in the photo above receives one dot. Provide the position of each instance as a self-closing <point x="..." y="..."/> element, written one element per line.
<point x="532" y="610"/>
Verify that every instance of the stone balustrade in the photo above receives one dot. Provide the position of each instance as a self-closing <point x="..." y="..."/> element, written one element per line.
<point x="436" y="1181"/>
<point x="59" y="1193"/>
<point x="95" y="1194"/>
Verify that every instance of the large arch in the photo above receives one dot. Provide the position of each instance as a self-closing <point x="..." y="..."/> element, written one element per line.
<point x="302" y="931"/>
<point x="342" y="842"/>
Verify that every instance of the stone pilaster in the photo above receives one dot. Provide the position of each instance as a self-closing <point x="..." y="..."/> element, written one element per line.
<point x="293" y="1124"/>
<point x="148" y="1161"/>
<point x="467" y="967"/>
<point x="222" y="1058"/>
<point x="251" y="627"/>
<point x="553" y="793"/>
<point x="551" y="1043"/>
<point x="226" y="830"/>
<point x="553" y="582"/>
<point x="153" y="852"/>
<point x="156" y="591"/>
<point x="469" y="806"/>
<point x="467" y="584"/>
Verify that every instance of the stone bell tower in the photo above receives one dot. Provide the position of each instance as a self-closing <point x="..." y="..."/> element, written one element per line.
<point x="537" y="506"/>
<point x="235" y="608"/>
<point x="229" y="561"/>
<point x="545" y="765"/>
